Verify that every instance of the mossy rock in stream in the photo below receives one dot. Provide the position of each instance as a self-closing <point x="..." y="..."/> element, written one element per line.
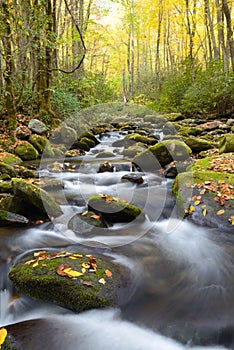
<point x="96" y="283"/>
<point x="34" y="200"/>
<point x="161" y="154"/>
<point x="206" y="192"/>
<point x="91" y="136"/>
<point x="11" y="219"/>
<point x="113" y="209"/>
<point x="26" y="151"/>
<point x="84" y="223"/>
<point x="133" y="138"/>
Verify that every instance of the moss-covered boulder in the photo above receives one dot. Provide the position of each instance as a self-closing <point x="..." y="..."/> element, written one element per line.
<point x="26" y="151"/>
<point x="78" y="281"/>
<point x="197" y="144"/>
<point x="206" y="193"/>
<point x="227" y="144"/>
<point x="82" y="145"/>
<point x="133" y="138"/>
<point x="9" y="158"/>
<point x="113" y="209"/>
<point x="186" y="131"/>
<point x="64" y="134"/>
<point x="133" y="150"/>
<point x="35" y="202"/>
<point x="158" y="120"/>
<point x="91" y="143"/>
<point x="91" y="136"/>
<point x="7" y="169"/>
<point x="161" y="154"/>
<point x="11" y="219"/>
<point x="105" y="155"/>
<point x="42" y="145"/>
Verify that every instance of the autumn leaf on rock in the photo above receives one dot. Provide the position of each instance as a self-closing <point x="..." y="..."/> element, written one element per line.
<point x="197" y="202"/>
<point x="220" y="212"/>
<point x="72" y="273"/>
<point x="61" y="268"/>
<point x="102" y="281"/>
<point x="96" y="217"/>
<point x="108" y="273"/>
<point x="204" y="212"/>
<point x="85" y="213"/>
<point x="86" y="283"/>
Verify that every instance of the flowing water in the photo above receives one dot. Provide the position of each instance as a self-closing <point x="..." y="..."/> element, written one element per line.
<point x="182" y="275"/>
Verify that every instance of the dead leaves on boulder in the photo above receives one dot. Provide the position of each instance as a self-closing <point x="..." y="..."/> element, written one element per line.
<point x="86" y="264"/>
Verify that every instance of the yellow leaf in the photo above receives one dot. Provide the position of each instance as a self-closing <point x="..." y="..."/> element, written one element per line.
<point x="73" y="257"/>
<point x="85" y="265"/>
<point x="197" y="202"/>
<point x="204" y="212"/>
<point x="83" y="270"/>
<point x="232" y="222"/>
<point x="220" y="212"/>
<point x="102" y="281"/>
<point x="85" y="213"/>
<point x="35" y="264"/>
<point x="72" y="273"/>
<point x="78" y="255"/>
<point x="191" y="208"/>
<point x="3" y="334"/>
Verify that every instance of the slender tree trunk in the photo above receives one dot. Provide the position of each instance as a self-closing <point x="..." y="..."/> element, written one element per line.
<point x="210" y="30"/>
<point x="227" y="13"/>
<point x="9" y="68"/>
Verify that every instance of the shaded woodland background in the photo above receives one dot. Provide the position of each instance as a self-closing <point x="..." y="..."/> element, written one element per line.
<point x="59" y="56"/>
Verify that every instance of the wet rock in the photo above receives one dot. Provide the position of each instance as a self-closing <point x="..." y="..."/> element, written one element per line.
<point x="52" y="185"/>
<point x="113" y="209"/>
<point x="38" y="127"/>
<point x="135" y="178"/>
<point x="186" y="131"/>
<point x="105" y="155"/>
<point x="90" y="136"/>
<point x="197" y="144"/>
<point x="133" y="150"/>
<point x="133" y="138"/>
<point x="81" y="145"/>
<point x="230" y="122"/>
<point x="227" y="144"/>
<point x="91" y="288"/>
<point x="161" y="154"/>
<point x="158" y="120"/>
<point x="83" y="223"/>
<point x="169" y="129"/>
<point x="91" y="143"/>
<point x="33" y="201"/>
<point x="7" y="218"/>
<point x="215" y="124"/>
<point x="106" y="167"/>
<point x="26" y="151"/>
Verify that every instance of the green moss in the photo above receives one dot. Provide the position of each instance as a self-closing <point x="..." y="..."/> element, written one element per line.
<point x="81" y="145"/>
<point x="7" y="169"/>
<point x="198" y="144"/>
<point x="90" y="136"/>
<point x="9" y="158"/>
<point x="88" y="141"/>
<point x="42" y="145"/>
<point x="113" y="209"/>
<point x="26" y="151"/>
<point x="140" y="138"/>
<point x="43" y="283"/>
<point x="227" y="144"/>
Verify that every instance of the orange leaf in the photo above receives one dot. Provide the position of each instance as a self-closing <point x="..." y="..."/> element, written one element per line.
<point x="108" y="273"/>
<point x="96" y="217"/>
<point x="220" y="212"/>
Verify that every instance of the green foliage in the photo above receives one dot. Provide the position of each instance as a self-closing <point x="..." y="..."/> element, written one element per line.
<point x="213" y="91"/>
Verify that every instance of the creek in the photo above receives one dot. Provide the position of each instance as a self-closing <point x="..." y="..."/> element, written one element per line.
<point x="182" y="275"/>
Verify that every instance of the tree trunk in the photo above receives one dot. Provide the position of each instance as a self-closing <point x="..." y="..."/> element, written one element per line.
<point x="230" y="41"/>
<point x="9" y="68"/>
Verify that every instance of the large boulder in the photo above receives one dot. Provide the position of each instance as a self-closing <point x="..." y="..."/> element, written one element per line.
<point x="64" y="134"/>
<point x="78" y="281"/>
<point x="7" y="169"/>
<point x="113" y="209"/>
<point x="37" y="126"/>
<point x="34" y="201"/>
<point x="205" y="194"/>
<point x="83" y="223"/>
<point x="133" y="138"/>
<point x="227" y="144"/>
<point x="26" y="151"/>
<point x="161" y="154"/>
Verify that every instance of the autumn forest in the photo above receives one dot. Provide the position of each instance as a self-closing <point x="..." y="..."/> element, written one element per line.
<point x="58" y="56"/>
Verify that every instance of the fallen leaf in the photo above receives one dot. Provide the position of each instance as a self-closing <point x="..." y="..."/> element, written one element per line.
<point x="35" y="264"/>
<point x="102" y="281"/>
<point x="29" y="262"/>
<point x="85" y="213"/>
<point x="83" y="270"/>
<point x="86" y="283"/>
<point x="39" y="253"/>
<point x="86" y="265"/>
<point x="220" y="212"/>
<point x="3" y="334"/>
<point x="197" y="202"/>
<point x="108" y="273"/>
<point x="96" y="217"/>
<point x="204" y="212"/>
<point x="61" y="268"/>
<point x="72" y="273"/>
<point x="191" y="209"/>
